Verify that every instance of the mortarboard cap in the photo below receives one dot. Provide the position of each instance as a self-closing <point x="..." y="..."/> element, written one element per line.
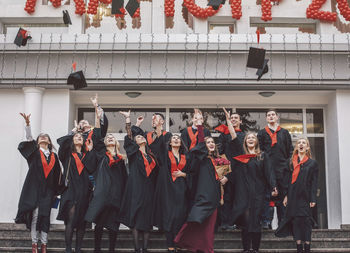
<point x="263" y="70"/>
<point x="132" y="6"/>
<point x="22" y="37"/>
<point x="116" y="6"/>
<point x="66" y="18"/>
<point x="256" y="58"/>
<point x="215" y="4"/>
<point x="77" y="79"/>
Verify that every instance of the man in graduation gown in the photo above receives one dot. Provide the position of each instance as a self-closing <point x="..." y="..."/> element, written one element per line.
<point x="277" y="143"/>
<point x="224" y="141"/>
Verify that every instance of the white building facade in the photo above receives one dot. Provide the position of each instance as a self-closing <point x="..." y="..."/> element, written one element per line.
<point x="199" y="63"/>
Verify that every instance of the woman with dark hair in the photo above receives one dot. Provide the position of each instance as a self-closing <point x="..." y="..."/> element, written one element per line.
<point x="254" y="177"/>
<point x="197" y="234"/>
<point x="110" y="179"/>
<point x="78" y="164"/>
<point x="301" y="197"/>
<point x="171" y="197"/>
<point x="136" y="209"/>
<point x="40" y="186"/>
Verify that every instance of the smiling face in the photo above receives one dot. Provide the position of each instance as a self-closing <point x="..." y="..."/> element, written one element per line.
<point x="78" y="139"/>
<point x="110" y="140"/>
<point x="302" y="146"/>
<point x="197" y="118"/>
<point x="84" y="125"/>
<point x="271" y="117"/>
<point x="139" y="139"/>
<point x="236" y="120"/>
<point x="175" y="141"/>
<point x="43" y="139"/>
<point x="210" y="143"/>
<point x="251" y="141"/>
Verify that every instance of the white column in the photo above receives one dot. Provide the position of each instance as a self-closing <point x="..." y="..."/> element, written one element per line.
<point x="33" y="104"/>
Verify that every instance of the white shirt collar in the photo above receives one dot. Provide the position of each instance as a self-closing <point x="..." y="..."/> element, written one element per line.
<point x="45" y="151"/>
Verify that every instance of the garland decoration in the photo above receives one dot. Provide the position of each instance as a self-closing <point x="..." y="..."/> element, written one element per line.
<point x="80" y="8"/>
<point x="266" y="10"/>
<point x="200" y="12"/>
<point x="169" y="8"/>
<point x="313" y="11"/>
<point x="344" y="9"/>
<point x="236" y="8"/>
<point x="92" y="7"/>
<point x="56" y="3"/>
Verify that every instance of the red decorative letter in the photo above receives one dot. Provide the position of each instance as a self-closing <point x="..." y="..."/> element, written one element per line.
<point x="313" y="11"/>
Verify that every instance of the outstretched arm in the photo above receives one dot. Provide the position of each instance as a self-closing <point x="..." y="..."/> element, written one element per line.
<point x="28" y="129"/>
<point x="229" y="125"/>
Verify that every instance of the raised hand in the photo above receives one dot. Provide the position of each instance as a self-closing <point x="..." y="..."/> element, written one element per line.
<point x="76" y="127"/>
<point x="94" y="100"/>
<point x="139" y="120"/>
<point x="99" y="113"/>
<point x="26" y="118"/>
<point x="125" y="114"/>
<point x="227" y="114"/>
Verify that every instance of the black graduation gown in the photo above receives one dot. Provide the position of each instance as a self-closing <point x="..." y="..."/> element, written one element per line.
<point x="300" y="195"/>
<point x="171" y="197"/>
<point x="78" y="192"/>
<point x="207" y="194"/>
<point x="279" y="155"/>
<point x="136" y="209"/>
<point x="253" y="180"/>
<point x="37" y="191"/>
<point x="108" y="193"/>
<point x="186" y="138"/>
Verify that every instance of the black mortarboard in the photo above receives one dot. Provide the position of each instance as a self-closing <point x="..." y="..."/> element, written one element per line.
<point x="215" y="4"/>
<point x="66" y="18"/>
<point x="116" y="6"/>
<point x="263" y="70"/>
<point x="256" y="58"/>
<point x="77" y="79"/>
<point x="132" y="6"/>
<point x="22" y="37"/>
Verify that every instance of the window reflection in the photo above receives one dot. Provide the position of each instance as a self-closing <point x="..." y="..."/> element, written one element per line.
<point x="314" y="121"/>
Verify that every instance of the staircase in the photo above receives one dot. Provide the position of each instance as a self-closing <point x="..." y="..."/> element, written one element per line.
<point x="15" y="238"/>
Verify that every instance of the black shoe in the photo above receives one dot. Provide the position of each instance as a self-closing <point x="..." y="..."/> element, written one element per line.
<point x="224" y="227"/>
<point x="97" y="250"/>
<point x="299" y="248"/>
<point x="265" y="226"/>
<point x="307" y="248"/>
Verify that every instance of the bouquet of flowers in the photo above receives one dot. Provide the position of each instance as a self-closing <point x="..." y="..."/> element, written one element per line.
<point x="222" y="167"/>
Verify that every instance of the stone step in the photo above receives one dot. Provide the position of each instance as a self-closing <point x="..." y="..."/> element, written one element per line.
<point x="158" y="243"/>
<point x="90" y="250"/>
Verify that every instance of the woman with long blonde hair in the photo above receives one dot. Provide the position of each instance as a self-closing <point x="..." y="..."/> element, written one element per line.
<point x="301" y="197"/>
<point x="255" y="176"/>
<point x="108" y="193"/>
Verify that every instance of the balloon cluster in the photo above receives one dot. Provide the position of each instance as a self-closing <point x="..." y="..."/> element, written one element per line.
<point x="344" y="9"/>
<point x="169" y="8"/>
<point x="236" y="8"/>
<point x="30" y="6"/>
<point x="92" y="7"/>
<point x="123" y="11"/>
<point x="106" y="1"/>
<point x="56" y="3"/>
<point x="313" y="11"/>
<point x="200" y="12"/>
<point x="137" y="13"/>
<point x="266" y="10"/>
<point x="79" y="7"/>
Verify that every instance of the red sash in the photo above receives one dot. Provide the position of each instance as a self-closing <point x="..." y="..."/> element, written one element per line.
<point x="148" y="166"/>
<point x="47" y="167"/>
<point x="193" y="137"/>
<point x="244" y="158"/>
<point x="150" y="137"/>
<point x="174" y="165"/>
<point x="296" y="166"/>
<point x="273" y="136"/>
<point x="224" y="129"/>
<point x="88" y="138"/>
<point x="112" y="160"/>
<point x="214" y="164"/>
<point x="78" y="163"/>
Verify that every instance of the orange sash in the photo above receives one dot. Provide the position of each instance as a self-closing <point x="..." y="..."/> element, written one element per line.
<point x="214" y="164"/>
<point x="244" y="158"/>
<point x="112" y="160"/>
<point x="150" y="137"/>
<point x="273" y="136"/>
<point x="174" y="165"/>
<point x="47" y="167"/>
<point x="193" y="137"/>
<point x="78" y="163"/>
<point x="296" y="166"/>
<point x="148" y="166"/>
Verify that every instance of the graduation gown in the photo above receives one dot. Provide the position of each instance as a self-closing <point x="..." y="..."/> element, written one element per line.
<point x="171" y="197"/>
<point x="108" y="193"/>
<point x="253" y="180"/>
<point x="186" y="137"/>
<point x="279" y="155"/>
<point x="37" y="191"/>
<point x="300" y="195"/>
<point x="79" y="189"/>
<point x="137" y="204"/>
